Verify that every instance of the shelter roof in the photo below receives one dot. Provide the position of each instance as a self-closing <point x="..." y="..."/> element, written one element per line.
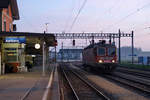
<point x="32" y="39"/>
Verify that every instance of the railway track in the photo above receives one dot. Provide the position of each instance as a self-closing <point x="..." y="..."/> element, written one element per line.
<point x="81" y="88"/>
<point x="136" y="80"/>
<point x="144" y="74"/>
<point x="134" y="68"/>
<point x="136" y="85"/>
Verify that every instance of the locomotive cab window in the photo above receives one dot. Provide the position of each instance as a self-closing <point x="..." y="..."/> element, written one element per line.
<point x="112" y="51"/>
<point x="101" y="51"/>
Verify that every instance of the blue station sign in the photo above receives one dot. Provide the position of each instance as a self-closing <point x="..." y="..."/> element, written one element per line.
<point x="15" y="40"/>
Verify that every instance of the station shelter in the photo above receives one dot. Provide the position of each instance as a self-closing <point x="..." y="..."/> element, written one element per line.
<point x="13" y="53"/>
<point x="17" y="48"/>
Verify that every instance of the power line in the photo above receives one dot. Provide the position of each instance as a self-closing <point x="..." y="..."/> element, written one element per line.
<point x="113" y="6"/>
<point x="130" y="14"/>
<point x="78" y="14"/>
<point x="109" y="10"/>
<point x="71" y="11"/>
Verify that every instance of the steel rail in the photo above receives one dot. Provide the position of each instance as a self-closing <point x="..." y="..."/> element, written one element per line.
<point x="75" y="94"/>
<point x="134" y="80"/>
<point x="104" y="97"/>
<point x="134" y="72"/>
<point x="138" y="87"/>
<point x="90" y="85"/>
<point x="147" y="91"/>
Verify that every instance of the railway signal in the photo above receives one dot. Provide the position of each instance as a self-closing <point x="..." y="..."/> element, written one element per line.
<point x="55" y="43"/>
<point x="73" y="42"/>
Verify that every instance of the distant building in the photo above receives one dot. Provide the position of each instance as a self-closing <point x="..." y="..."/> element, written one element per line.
<point x="126" y="54"/>
<point x="52" y="56"/>
<point x="144" y="58"/>
<point x="144" y="53"/>
<point x="68" y="55"/>
<point x="8" y="13"/>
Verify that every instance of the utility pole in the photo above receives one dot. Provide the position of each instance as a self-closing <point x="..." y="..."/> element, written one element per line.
<point x="110" y="39"/>
<point x="132" y="47"/>
<point x="92" y="39"/>
<point x="55" y="55"/>
<point x="62" y="56"/>
<point x="44" y="55"/>
<point x="119" y="47"/>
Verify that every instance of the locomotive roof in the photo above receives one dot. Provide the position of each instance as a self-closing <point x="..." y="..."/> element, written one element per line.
<point x="99" y="44"/>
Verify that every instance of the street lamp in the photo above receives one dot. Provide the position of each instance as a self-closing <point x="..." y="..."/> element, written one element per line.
<point x="44" y="59"/>
<point x="46" y="27"/>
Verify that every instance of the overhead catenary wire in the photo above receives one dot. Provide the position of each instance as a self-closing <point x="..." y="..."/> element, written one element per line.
<point x="74" y="21"/>
<point x="113" y="6"/>
<point x="69" y="16"/>
<point x="127" y="16"/>
<point x="109" y="10"/>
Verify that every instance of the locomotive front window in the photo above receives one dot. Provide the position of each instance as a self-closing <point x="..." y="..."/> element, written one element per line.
<point x="111" y="51"/>
<point x="101" y="51"/>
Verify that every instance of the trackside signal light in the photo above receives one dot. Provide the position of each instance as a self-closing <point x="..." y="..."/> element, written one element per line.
<point x="73" y="42"/>
<point x="55" y="43"/>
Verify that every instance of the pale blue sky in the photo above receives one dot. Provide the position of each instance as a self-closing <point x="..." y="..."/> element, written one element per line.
<point x="97" y="16"/>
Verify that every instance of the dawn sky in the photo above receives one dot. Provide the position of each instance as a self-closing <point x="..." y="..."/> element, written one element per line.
<point x="96" y="16"/>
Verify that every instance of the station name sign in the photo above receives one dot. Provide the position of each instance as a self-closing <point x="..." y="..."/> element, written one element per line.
<point x="15" y="40"/>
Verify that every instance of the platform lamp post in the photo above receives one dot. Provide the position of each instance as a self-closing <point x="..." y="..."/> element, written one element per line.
<point x="44" y="43"/>
<point x="43" y="74"/>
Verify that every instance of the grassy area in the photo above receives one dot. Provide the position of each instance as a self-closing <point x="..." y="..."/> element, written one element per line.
<point x="136" y="65"/>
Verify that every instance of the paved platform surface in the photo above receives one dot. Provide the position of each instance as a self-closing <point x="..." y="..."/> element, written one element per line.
<point x="54" y="90"/>
<point x="14" y="86"/>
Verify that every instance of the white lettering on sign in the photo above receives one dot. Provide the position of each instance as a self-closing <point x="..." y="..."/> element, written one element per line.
<point x="12" y="41"/>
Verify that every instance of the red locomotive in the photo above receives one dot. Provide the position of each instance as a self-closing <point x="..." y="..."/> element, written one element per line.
<point x="101" y="56"/>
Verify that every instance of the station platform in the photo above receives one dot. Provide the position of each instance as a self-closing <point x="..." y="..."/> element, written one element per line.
<point x="15" y="86"/>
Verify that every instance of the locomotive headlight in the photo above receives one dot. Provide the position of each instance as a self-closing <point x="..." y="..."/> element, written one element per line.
<point x="113" y="61"/>
<point x="100" y="61"/>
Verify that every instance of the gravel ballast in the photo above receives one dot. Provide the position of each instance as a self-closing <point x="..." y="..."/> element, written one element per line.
<point x="118" y="93"/>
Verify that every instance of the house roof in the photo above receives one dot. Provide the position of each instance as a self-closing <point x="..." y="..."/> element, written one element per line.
<point x="4" y="3"/>
<point x="15" y="10"/>
<point x="14" y="7"/>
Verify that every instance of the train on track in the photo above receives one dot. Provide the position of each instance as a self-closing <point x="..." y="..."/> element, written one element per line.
<point x="101" y="56"/>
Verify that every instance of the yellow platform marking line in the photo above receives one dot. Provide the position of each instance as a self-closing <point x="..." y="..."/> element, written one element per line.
<point x="45" y="96"/>
<point x="3" y="77"/>
<point x="10" y="77"/>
